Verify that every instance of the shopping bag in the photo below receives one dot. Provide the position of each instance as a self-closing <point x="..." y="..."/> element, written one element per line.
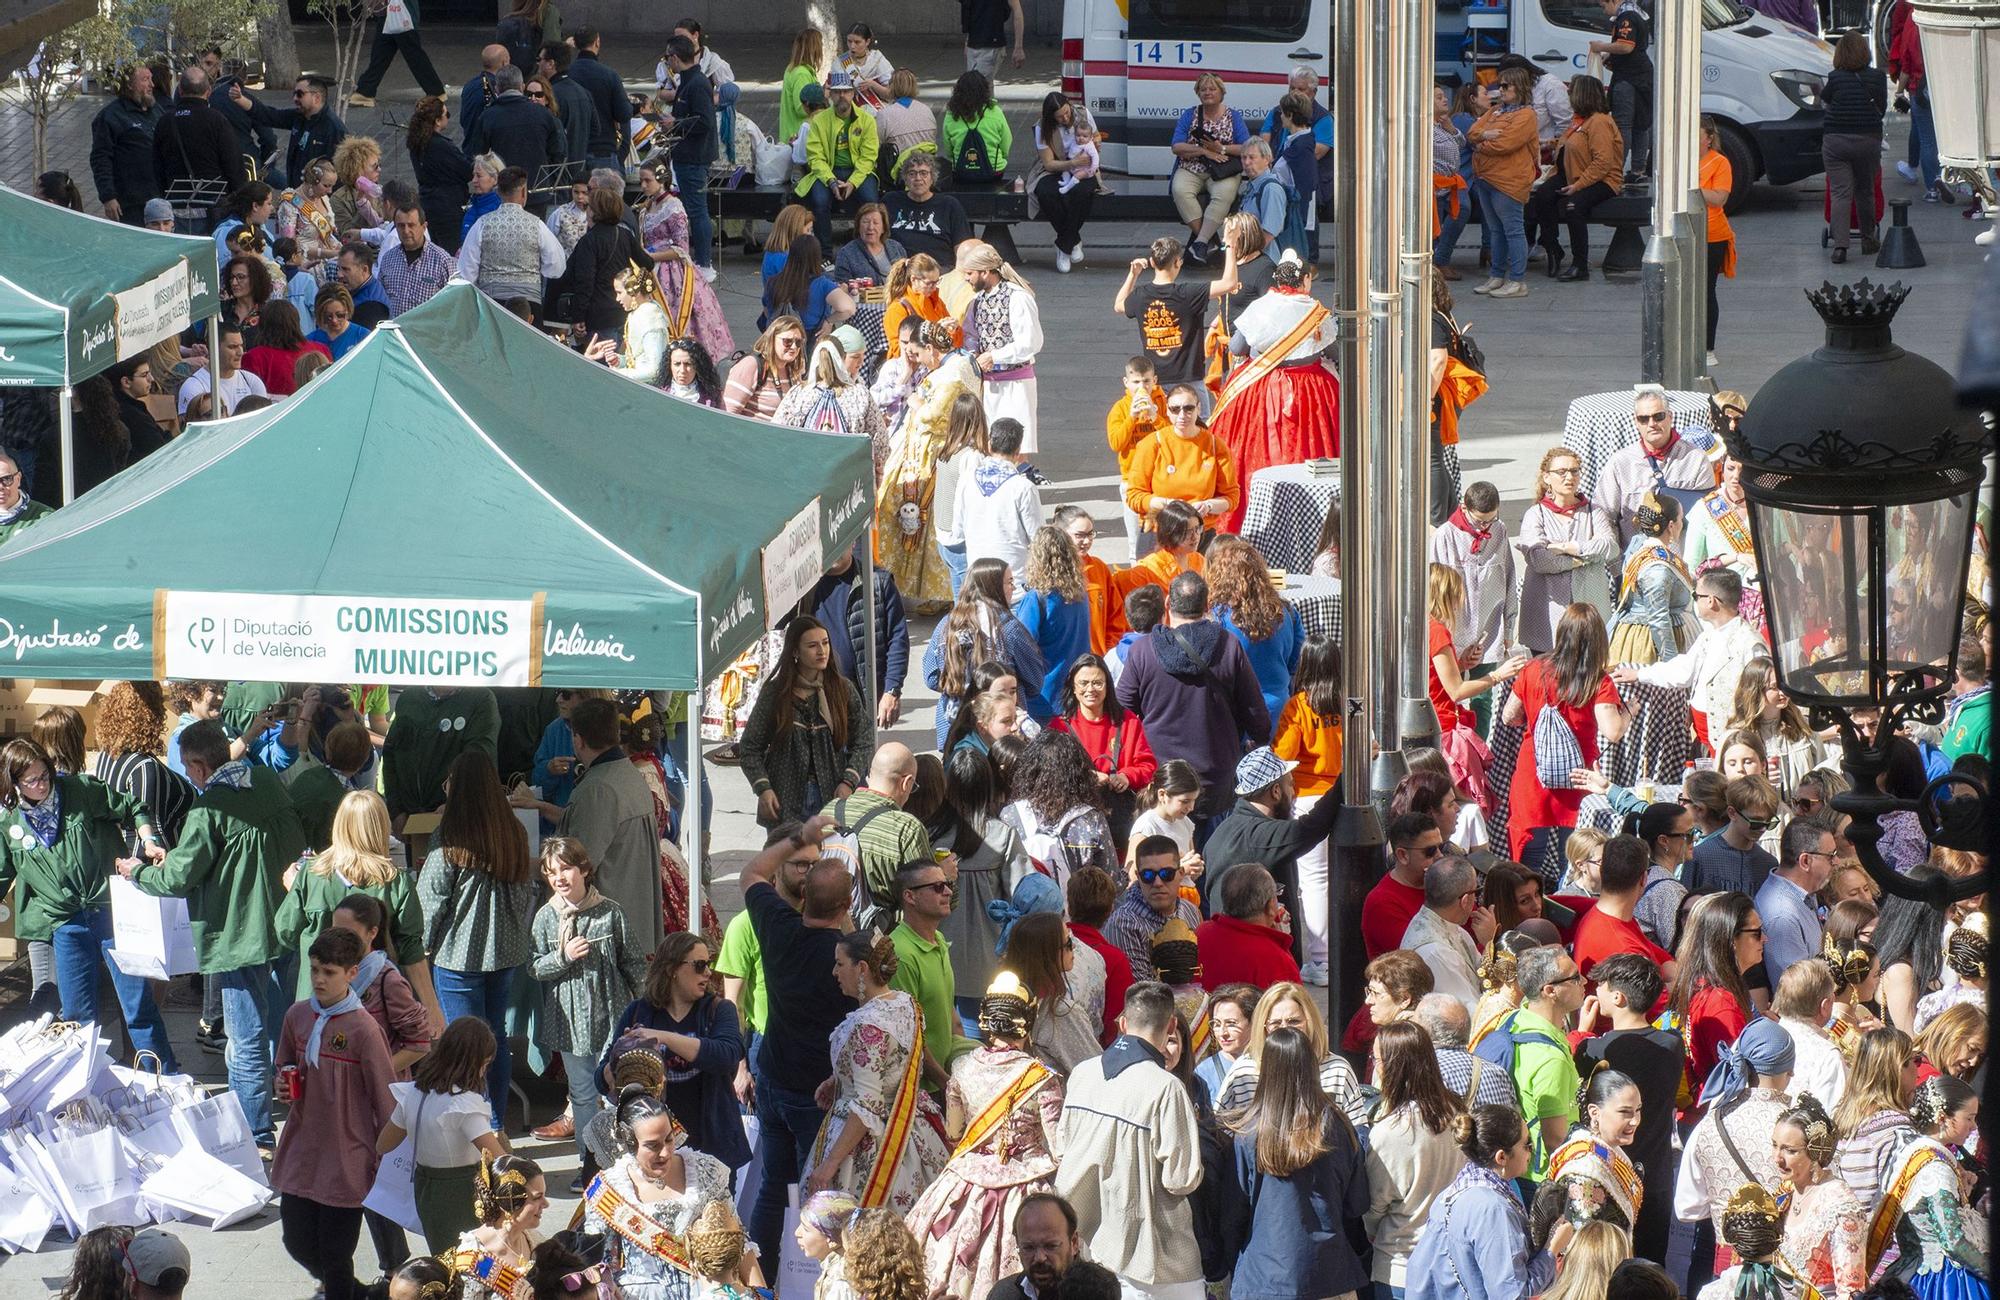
<point x="771" y="162"/>
<point x="20" y="1152"/>
<point x="751" y="1176"/>
<point x="33" y="1057"/>
<point x="150" y="937"/>
<point x="25" y="1217"/>
<point x="218" y="1126"/>
<point x="394" y="1194"/>
<point x="98" y="1185"/>
<point x="396" y="19"/>
<point x="798" y="1272"/>
<point x="206" y="1188"/>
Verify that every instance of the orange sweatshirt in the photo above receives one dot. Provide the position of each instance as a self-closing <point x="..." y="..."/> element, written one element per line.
<point x="1509" y="161"/>
<point x="925" y="309"/>
<point x="1303" y="737"/>
<point x="1158" y="569"/>
<point x="1106" y="624"/>
<point x="1593" y="151"/>
<point x="1164" y="464"/>
<point x="1124" y="434"/>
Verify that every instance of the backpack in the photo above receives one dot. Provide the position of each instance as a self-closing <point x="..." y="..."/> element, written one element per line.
<point x="523" y="40"/>
<point x="1462" y="349"/>
<point x="844" y="845"/>
<point x="1503" y="1040"/>
<point x="1059" y="855"/>
<point x="1557" y="750"/>
<point x="973" y="163"/>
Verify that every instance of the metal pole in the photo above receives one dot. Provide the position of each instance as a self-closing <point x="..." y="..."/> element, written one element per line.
<point x="1660" y="288"/>
<point x="1694" y="209"/>
<point x="695" y="841"/>
<point x="1357" y="836"/>
<point x="1416" y="721"/>
<point x="1389" y="469"/>
<point x="869" y="685"/>
<point x="66" y="422"/>
<point x="214" y="362"/>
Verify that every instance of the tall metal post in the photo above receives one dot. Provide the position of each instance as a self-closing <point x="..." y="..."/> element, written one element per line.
<point x="1416" y="721"/>
<point x="1660" y="274"/>
<point x="1357" y="836"/>
<point x="1382" y="417"/>
<point x="66" y="440"/>
<point x="1685" y="17"/>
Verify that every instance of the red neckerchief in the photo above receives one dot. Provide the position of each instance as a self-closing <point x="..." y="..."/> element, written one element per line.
<point x="1659" y="462"/>
<point x="1549" y="503"/>
<point x="1463" y="523"/>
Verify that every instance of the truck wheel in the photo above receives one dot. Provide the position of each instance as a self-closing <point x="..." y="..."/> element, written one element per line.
<point x="1743" y="166"/>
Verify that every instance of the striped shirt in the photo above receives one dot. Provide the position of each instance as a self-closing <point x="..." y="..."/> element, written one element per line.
<point x="146" y="778"/>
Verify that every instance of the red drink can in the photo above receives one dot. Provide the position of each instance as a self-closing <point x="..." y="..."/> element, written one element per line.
<point x="291" y="1084"/>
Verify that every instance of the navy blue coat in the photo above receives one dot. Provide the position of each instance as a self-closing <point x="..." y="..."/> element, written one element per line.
<point x="718" y="1129"/>
<point x="1297" y="1246"/>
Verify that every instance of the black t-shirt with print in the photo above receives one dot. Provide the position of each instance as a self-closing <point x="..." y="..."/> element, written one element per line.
<point x="1631" y="25"/>
<point x="936" y="226"/>
<point x="1170" y="319"/>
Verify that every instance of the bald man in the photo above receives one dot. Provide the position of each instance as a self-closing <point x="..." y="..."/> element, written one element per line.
<point x="481" y="90"/>
<point x="872" y="826"/>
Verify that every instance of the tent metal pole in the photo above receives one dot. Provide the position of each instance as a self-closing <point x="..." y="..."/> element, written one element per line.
<point x="66" y="422"/>
<point x="872" y="689"/>
<point x="214" y="361"/>
<point x="697" y="843"/>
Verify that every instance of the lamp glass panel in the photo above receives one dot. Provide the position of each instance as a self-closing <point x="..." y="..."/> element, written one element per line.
<point x="1818" y="596"/>
<point x="1924" y="563"/>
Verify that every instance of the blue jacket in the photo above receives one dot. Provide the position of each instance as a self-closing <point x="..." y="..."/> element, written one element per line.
<point x="835" y="605"/>
<point x="1297" y="1247"/>
<point x="1274" y="659"/>
<point x="1062" y="629"/>
<point x="1475" y="1247"/>
<point x="557" y="742"/>
<point x="1019" y="652"/>
<point x="717" y="1129"/>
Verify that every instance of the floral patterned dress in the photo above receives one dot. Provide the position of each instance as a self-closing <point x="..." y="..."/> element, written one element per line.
<point x="963" y="1220"/>
<point x="642" y="1276"/>
<point x="692" y="308"/>
<point x="871" y="1050"/>
<point x="905" y="509"/>
<point x="1824" y="1235"/>
<point x="673" y="868"/>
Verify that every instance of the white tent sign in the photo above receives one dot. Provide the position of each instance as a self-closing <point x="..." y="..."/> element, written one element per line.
<point x="154" y="310"/>
<point x="793" y="562"/>
<point x="408" y="641"/>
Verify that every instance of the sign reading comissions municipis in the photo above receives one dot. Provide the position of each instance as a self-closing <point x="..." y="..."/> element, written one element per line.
<point x="238" y="636"/>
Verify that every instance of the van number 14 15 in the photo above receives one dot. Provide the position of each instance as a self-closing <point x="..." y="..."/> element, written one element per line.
<point x="1186" y="53"/>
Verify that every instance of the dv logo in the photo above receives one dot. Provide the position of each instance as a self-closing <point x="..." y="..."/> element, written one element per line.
<point x="201" y="635"/>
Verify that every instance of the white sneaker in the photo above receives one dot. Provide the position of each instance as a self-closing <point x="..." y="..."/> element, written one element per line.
<point x="1908" y="173"/>
<point x="1062" y="262"/>
<point x="1510" y="289"/>
<point x="1712" y="361"/>
<point x="1984" y="237"/>
<point x="1076" y="254"/>
<point x="1314" y="973"/>
<point x="708" y="274"/>
<point x="1490" y="285"/>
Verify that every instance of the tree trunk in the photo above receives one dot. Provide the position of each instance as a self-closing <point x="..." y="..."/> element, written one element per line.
<point x="279" y="46"/>
<point x="820" y="14"/>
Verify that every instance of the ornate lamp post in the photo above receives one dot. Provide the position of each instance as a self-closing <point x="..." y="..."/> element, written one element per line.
<point x="1862" y="473"/>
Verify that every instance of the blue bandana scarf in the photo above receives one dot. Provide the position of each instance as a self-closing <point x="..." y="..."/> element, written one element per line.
<point x="44" y="819"/>
<point x="323" y="1014"/>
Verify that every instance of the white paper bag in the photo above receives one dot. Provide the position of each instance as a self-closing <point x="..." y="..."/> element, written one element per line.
<point x="772" y="162"/>
<point x="798" y="1273"/>
<point x="396" y="19"/>
<point x="394" y="1195"/>
<point x="150" y="936"/>
<point x="217" y="1125"/>
<point x="206" y="1188"/>
<point x="531" y="822"/>
<point x="99" y="1186"/>
<point x="25" y="1218"/>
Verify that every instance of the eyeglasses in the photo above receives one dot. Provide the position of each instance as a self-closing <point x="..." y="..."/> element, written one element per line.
<point x="1565" y="471"/>
<point x="572" y="1282"/>
<point x="802" y="862"/>
<point x="1183" y="408"/>
<point x="1428" y="850"/>
<point x="1751" y="932"/>
<point x="34" y="778"/>
<point x="1570" y="978"/>
<point x="1819" y="853"/>
<point x="945" y="885"/>
<point x="1657" y="417"/>
<point x="1152" y="875"/>
<point x="700" y="967"/>
<point x="9" y="480"/>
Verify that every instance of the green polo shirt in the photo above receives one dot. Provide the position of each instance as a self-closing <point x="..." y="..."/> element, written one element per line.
<point x="923" y="970"/>
<point x="742" y="957"/>
<point x="1545" y="1079"/>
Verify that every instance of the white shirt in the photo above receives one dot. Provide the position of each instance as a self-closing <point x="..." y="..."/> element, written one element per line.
<point x="1709" y="670"/>
<point x="1450" y="953"/>
<point x="997" y="526"/>
<point x="553" y="257"/>
<point x="235" y="388"/>
<point x="1818" y="1067"/>
<point x="452" y="1122"/>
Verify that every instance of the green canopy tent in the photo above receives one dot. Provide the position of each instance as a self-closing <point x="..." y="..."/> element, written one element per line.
<point x="79" y="294"/>
<point x="458" y="501"/>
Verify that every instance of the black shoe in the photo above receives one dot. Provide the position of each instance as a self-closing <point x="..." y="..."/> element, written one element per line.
<point x="1554" y="264"/>
<point x="1839" y="256"/>
<point x="210" y="1038"/>
<point x="1576" y="271"/>
<point x="1870" y="245"/>
<point x="1197" y="252"/>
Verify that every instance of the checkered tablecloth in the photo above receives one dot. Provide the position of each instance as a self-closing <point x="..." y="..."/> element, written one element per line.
<point x="1317" y="599"/>
<point x="1655" y="748"/>
<point x="1287" y="509"/>
<point x="1601" y="424"/>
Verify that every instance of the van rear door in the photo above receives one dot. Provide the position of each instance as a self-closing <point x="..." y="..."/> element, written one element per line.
<point x="1251" y="44"/>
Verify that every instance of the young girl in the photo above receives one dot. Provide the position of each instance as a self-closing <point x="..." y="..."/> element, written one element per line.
<point x="821" y="1221"/>
<point x="495" y="1258"/>
<point x="589" y="968"/>
<point x="868" y="66"/>
<point x="444" y="1104"/>
<point x="422" y="1278"/>
<point x="1309" y="733"/>
<point x="1167" y="808"/>
<point x="1055" y="608"/>
<point x="384" y="992"/>
<point x="1468" y="830"/>
<point x="898" y="375"/>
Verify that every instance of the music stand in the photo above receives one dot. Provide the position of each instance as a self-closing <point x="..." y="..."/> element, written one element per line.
<point x="194" y="202"/>
<point x="555" y="179"/>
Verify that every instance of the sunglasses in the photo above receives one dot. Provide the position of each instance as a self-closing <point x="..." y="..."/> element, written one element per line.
<point x="9" y="480"/>
<point x="1182" y="409"/>
<point x="1658" y="417"/>
<point x="1758" y="823"/>
<point x="1428" y="850"/>
<point x="1805" y="807"/>
<point x="1751" y="932"/>
<point x="700" y="967"/>
<point x="1151" y="875"/>
<point x="944" y="885"/>
<point x="574" y="1282"/>
<point x="536" y="94"/>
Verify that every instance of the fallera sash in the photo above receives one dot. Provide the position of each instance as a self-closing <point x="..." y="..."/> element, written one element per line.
<point x="1025" y="1085"/>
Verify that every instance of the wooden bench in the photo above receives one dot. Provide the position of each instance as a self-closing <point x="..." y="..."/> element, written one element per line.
<point x="996" y="208"/>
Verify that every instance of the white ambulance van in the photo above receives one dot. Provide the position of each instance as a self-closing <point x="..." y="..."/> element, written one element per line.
<point x="1134" y="62"/>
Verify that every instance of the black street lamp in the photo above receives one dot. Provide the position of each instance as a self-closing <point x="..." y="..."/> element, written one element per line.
<point x="1862" y="472"/>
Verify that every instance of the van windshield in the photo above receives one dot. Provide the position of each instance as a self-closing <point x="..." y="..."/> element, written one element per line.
<point x="1219" y="20"/>
<point x="1716" y="14"/>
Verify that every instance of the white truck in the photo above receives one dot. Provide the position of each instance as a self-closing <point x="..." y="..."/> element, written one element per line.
<point x="1134" y="62"/>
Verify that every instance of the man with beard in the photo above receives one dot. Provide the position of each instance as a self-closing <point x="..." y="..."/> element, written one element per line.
<point x="121" y="147"/>
<point x="1045" y="1235"/>
<point x="1260" y="828"/>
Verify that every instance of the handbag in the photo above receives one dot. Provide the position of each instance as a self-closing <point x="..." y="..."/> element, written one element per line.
<point x="1462" y="348"/>
<point x="396" y="19"/>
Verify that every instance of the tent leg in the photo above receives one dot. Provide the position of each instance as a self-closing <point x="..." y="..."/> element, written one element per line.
<point x="214" y="360"/>
<point x="66" y="422"/>
<point x="694" y="839"/>
<point x="871" y="689"/>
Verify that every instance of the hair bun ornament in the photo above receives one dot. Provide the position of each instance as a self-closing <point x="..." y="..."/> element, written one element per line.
<point x="715" y="1242"/>
<point x="1750" y="1222"/>
<point x="1175" y="954"/>
<point x="638" y="1067"/>
<point x="1006" y="1011"/>
<point x="1927" y="1106"/>
<point x="1966" y="952"/>
<point x="1850" y="966"/>
<point x="1811" y="1119"/>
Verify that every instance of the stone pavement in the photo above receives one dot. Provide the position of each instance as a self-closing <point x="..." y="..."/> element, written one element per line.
<point x="1560" y="342"/>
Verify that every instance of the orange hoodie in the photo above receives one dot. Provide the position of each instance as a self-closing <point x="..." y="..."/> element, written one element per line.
<point x="1124" y="433"/>
<point x="1310" y="741"/>
<point x="1164" y="464"/>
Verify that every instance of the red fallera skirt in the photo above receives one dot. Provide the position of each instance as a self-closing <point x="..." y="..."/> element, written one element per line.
<point x="1288" y="416"/>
